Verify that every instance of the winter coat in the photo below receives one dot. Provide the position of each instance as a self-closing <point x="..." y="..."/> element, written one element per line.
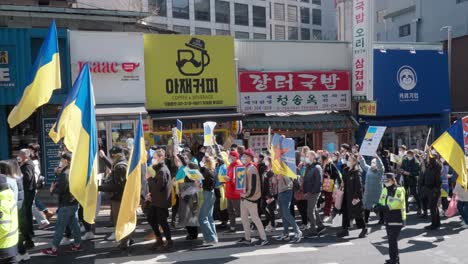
<point x="353" y="190"/>
<point x="160" y="187"/>
<point x="65" y="198"/>
<point x="270" y="185"/>
<point x="19" y="183"/>
<point x="29" y="176"/>
<point x="209" y="179"/>
<point x="118" y="178"/>
<point x="188" y="203"/>
<point x="312" y="179"/>
<point x="231" y="192"/>
<point x="373" y="185"/>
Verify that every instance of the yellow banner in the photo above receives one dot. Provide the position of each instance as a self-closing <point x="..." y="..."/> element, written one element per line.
<point x="368" y="108"/>
<point x="189" y="72"/>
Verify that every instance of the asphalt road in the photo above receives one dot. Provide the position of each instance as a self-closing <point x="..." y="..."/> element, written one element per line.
<point x="447" y="245"/>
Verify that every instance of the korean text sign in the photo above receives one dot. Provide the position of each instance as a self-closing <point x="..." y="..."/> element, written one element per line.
<point x="189" y="72"/>
<point x="362" y="46"/>
<point x="262" y="92"/>
<point x="409" y="83"/>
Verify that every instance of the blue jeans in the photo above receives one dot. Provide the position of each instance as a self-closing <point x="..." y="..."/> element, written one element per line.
<point x="463" y="209"/>
<point x="206" y="220"/>
<point x="67" y="216"/>
<point x="288" y="220"/>
<point x="39" y="204"/>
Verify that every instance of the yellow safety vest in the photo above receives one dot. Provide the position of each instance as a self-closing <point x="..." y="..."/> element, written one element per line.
<point x="394" y="203"/>
<point x="8" y="219"/>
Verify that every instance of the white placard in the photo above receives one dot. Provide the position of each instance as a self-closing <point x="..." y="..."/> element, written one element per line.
<point x="371" y="141"/>
<point x="258" y="143"/>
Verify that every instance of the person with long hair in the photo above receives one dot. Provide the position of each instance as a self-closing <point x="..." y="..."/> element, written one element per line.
<point x="207" y="224"/>
<point x="331" y="176"/>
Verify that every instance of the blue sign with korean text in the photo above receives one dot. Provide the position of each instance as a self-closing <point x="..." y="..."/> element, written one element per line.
<point x="411" y="83"/>
<point x="7" y="67"/>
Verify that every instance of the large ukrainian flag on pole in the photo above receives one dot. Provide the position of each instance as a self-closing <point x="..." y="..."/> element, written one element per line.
<point x="126" y="222"/>
<point x="43" y="80"/>
<point x="450" y="146"/>
<point x="76" y="124"/>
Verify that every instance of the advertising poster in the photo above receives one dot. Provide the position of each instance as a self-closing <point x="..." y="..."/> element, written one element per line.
<point x="240" y="178"/>
<point x="371" y="141"/>
<point x="51" y="155"/>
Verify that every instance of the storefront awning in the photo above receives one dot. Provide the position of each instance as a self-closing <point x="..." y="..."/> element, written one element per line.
<point x="196" y="116"/>
<point x="328" y="121"/>
<point x="119" y="112"/>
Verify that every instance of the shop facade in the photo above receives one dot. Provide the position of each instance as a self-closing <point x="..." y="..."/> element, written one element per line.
<point x="411" y="96"/>
<point x="116" y="61"/>
<point x="18" y="50"/>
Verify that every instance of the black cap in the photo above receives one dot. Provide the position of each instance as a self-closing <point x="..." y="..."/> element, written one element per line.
<point x="116" y="150"/>
<point x="67" y="156"/>
<point x="3" y="183"/>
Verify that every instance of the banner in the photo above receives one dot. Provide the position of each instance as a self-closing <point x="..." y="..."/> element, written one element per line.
<point x="209" y="136"/>
<point x="262" y="92"/>
<point x="283" y="156"/>
<point x="465" y="133"/>
<point x="189" y="72"/>
<point x="371" y="141"/>
<point x="240" y="178"/>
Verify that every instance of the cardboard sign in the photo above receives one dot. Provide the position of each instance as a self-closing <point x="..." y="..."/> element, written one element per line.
<point x="240" y="178"/>
<point x="371" y="141"/>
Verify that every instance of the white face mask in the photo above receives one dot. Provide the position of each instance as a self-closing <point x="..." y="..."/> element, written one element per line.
<point x="388" y="184"/>
<point x="231" y="160"/>
<point x="433" y="152"/>
<point x="410" y="157"/>
<point x="61" y="164"/>
<point x="267" y="163"/>
<point x="349" y="164"/>
<point x="401" y="153"/>
<point x="154" y="161"/>
<point x="256" y="160"/>
<point x="308" y="161"/>
<point x="19" y="159"/>
<point x="202" y="164"/>
<point x="244" y="161"/>
<point x="334" y="159"/>
<point x="302" y="159"/>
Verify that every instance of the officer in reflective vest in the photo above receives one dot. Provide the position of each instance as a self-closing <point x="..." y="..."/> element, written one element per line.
<point x="392" y="204"/>
<point x="8" y="223"/>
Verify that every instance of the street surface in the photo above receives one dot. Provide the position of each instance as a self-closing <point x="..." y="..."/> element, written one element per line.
<point x="448" y="245"/>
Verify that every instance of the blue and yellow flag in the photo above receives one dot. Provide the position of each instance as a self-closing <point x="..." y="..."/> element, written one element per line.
<point x="126" y="222"/>
<point x="44" y="78"/>
<point x="76" y="124"/>
<point x="450" y="146"/>
<point x="209" y="136"/>
<point x="283" y="157"/>
<point x="179" y="131"/>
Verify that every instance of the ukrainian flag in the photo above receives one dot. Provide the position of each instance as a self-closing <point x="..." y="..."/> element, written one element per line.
<point x="179" y="131"/>
<point x="283" y="156"/>
<point x="451" y="147"/>
<point x="44" y="79"/>
<point x="76" y="124"/>
<point x="126" y="222"/>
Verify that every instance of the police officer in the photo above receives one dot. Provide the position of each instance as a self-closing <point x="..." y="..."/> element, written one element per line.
<point x="392" y="204"/>
<point x="8" y="223"/>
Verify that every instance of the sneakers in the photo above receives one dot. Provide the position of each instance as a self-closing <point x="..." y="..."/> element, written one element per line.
<point x="328" y="220"/>
<point x="65" y="241"/>
<point x="464" y="226"/>
<point x="44" y="224"/>
<point x="24" y="257"/>
<point x="50" y="252"/>
<point x="29" y="244"/>
<point x="263" y="243"/>
<point x="343" y="233"/>
<point x="320" y="230"/>
<point x="158" y="245"/>
<point x="283" y="238"/>
<point x="244" y="241"/>
<point x="150" y="236"/>
<point x="168" y="246"/>
<point x="230" y="230"/>
<point x="76" y="248"/>
<point x="363" y="233"/>
<point x="269" y="229"/>
<point x="297" y="238"/>
<point x="111" y="237"/>
<point x="48" y="215"/>
<point x="82" y="229"/>
<point x="88" y="236"/>
<point x="303" y="227"/>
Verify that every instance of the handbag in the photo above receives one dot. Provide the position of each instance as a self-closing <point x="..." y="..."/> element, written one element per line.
<point x="452" y="209"/>
<point x="338" y="197"/>
<point x="328" y="185"/>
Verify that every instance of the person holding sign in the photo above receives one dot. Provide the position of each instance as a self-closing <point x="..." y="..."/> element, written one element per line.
<point x="232" y="194"/>
<point x="249" y="199"/>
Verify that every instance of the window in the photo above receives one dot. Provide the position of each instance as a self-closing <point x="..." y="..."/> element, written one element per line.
<point x="292" y="13"/>
<point x="157" y="7"/>
<point x="180" y="9"/>
<point x="260" y="36"/>
<point x="222" y="32"/>
<point x="279" y="12"/>
<point x="380" y="16"/>
<point x="305" y="15"/>
<point x="202" y="10"/>
<point x="305" y="1"/>
<point x="182" y="29"/>
<point x="317" y="17"/>
<point x="404" y="30"/>
<point x="292" y="33"/>
<point x="279" y="32"/>
<point x="305" y="34"/>
<point x="461" y="1"/>
<point x="317" y="2"/>
<point x="202" y="31"/>
<point x="241" y="35"/>
<point x="241" y="14"/>
<point x="316" y="34"/>
<point x="222" y="12"/>
<point x="259" y="16"/>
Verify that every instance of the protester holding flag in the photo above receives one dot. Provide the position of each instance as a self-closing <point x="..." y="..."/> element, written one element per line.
<point x="160" y="187"/>
<point x="67" y="209"/>
<point x="432" y="183"/>
<point x="232" y="194"/>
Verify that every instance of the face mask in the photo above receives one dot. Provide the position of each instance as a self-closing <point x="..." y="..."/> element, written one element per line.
<point x="244" y="161"/>
<point x="410" y="157"/>
<point x="401" y="153"/>
<point x="302" y="159"/>
<point x="202" y="164"/>
<point x="373" y="165"/>
<point x="307" y="160"/>
<point x="343" y="161"/>
<point x="19" y="159"/>
<point x="207" y="155"/>
<point x="433" y="152"/>
<point x="231" y="160"/>
<point x="154" y="161"/>
<point x="61" y="164"/>
<point x="349" y="164"/>
<point x="334" y="159"/>
<point x="256" y="160"/>
<point x="267" y="163"/>
<point x="388" y="184"/>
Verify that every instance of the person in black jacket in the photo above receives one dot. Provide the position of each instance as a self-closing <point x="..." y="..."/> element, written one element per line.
<point x="269" y="195"/>
<point x="67" y="209"/>
<point x="312" y="191"/>
<point x="29" y="187"/>
<point x="160" y="187"/>
<point x="116" y="185"/>
<point x="432" y="183"/>
<point x="352" y="207"/>
<point x="410" y="170"/>
<point x="205" y="218"/>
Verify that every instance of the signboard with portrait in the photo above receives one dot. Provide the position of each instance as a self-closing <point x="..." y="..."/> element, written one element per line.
<point x="189" y="72"/>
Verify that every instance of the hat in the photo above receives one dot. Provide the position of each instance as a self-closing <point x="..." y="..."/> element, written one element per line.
<point x="234" y="154"/>
<point x="67" y="156"/>
<point x="3" y="183"/>
<point x="346" y="147"/>
<point x="403" y="147"/>
<point x="116" y="150"/>
<point x="196" y="43"/>
<point x="249" y="152"/>
<point x="389" y="176"/>
<point x="410" y="152"/>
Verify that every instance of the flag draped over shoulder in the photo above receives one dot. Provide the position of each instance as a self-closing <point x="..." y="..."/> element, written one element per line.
<point x="450" y="146"/>
<point x="126" y="221"/>
<point x="44" y="78"/>
<point x="76" y="124"/>
<point x="283" y="158"/>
